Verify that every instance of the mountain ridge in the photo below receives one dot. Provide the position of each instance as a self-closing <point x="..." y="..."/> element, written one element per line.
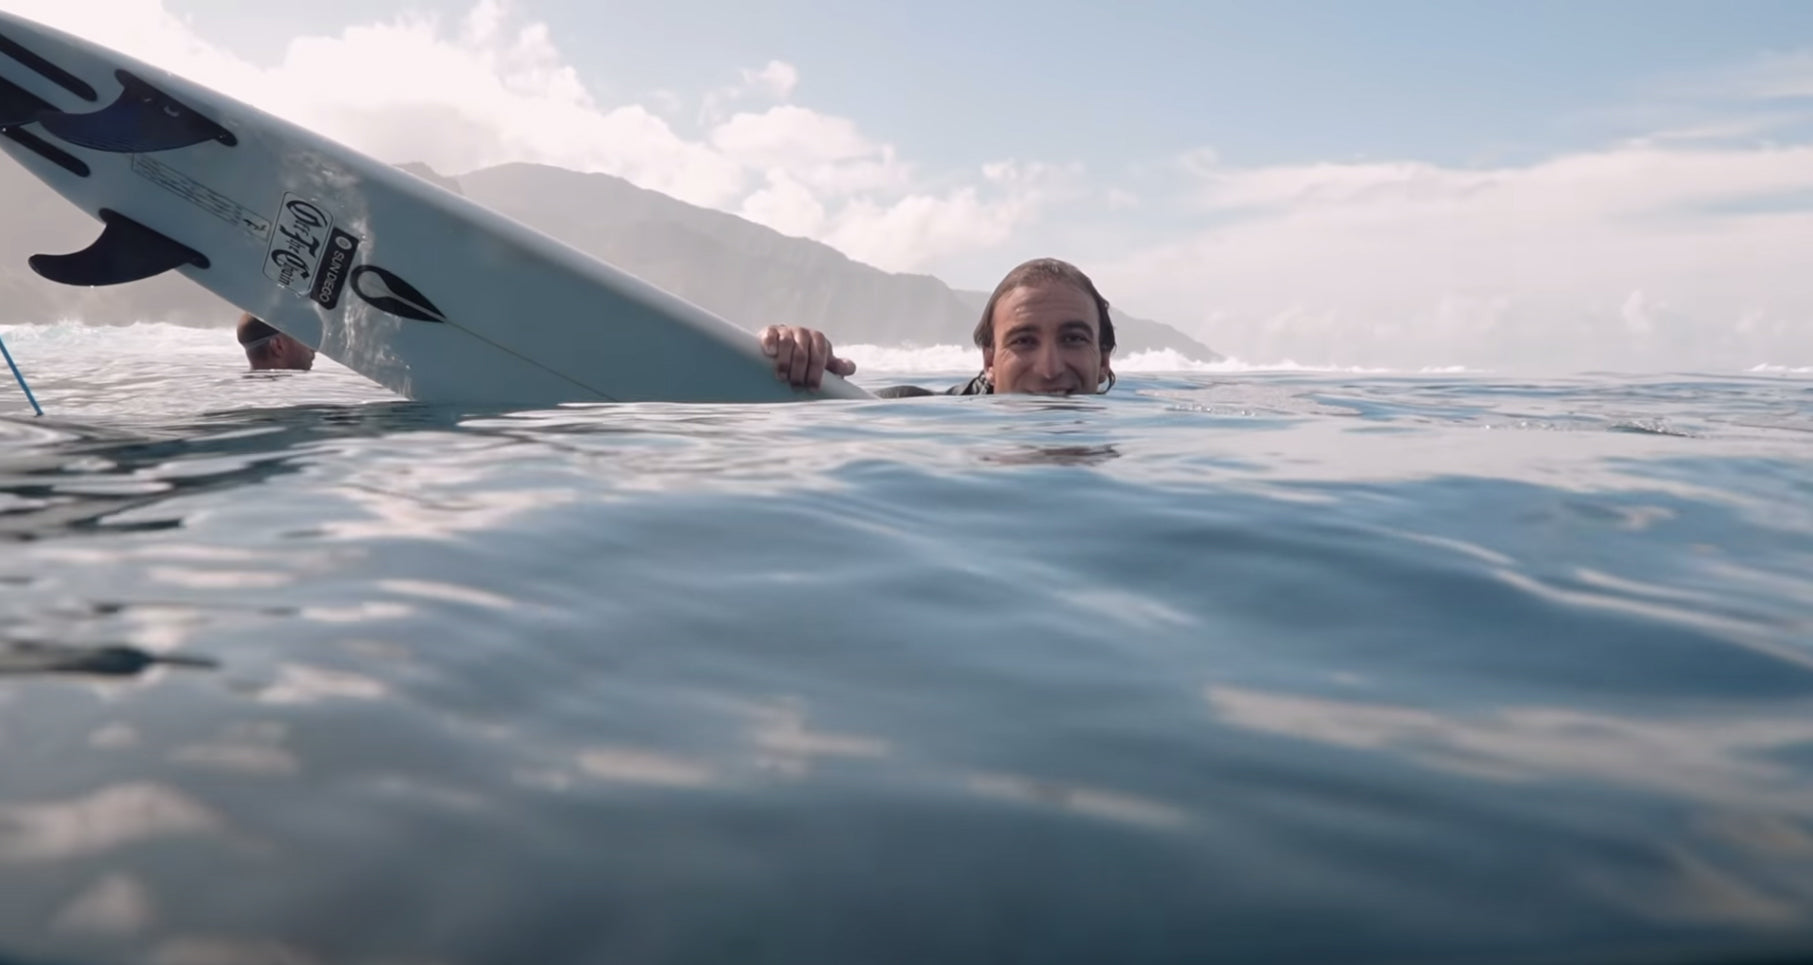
<point x="674" y="244"/>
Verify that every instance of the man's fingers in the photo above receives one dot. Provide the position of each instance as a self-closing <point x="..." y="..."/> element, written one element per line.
<point x="802" y="357"/>
<point x="782" y="344"/>
<point x="783" y="359"/>
<point x="821" y="354"/>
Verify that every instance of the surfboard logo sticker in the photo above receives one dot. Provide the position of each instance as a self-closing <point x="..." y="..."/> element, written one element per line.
<point x="298" y="245"/>
<point x="384" y="291"/>
<point x="336" y="268"/>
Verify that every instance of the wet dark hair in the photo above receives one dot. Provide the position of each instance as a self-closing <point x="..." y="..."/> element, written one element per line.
<point x="1035" y="272"/>
<point x="259" y="339"/>
<point x="253" y="330"/>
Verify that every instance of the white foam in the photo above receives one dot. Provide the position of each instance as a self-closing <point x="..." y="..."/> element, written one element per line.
<point x="137" y="336"/>
<point x="924" y="359"/>
<point x="1170" y="360"/>
<point x="152" y="338"/>
<point x="872" y="359"/>
<point x="1766" y="369"/>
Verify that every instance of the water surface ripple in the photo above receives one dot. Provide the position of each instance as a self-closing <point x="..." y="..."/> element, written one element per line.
<point x="1252" y="668"/>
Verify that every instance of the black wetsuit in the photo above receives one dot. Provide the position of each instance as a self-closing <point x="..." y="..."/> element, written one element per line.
<point x="976" y="386"/>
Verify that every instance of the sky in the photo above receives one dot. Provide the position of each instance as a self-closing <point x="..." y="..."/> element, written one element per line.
<point x="1508" y="186"/>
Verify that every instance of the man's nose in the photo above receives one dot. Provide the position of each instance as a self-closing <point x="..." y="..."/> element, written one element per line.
<point x="1050" y="362"/>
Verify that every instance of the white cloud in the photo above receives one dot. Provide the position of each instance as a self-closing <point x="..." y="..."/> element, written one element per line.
<point x="828" y="152"/>
<point x="490" y="87"/>
<point x="1779" y="76"/>
<point x="1632" y="257"/>
<point x="921" y="230"/>
<point x="826" y="180"/>
<point x="911" y="232"/>
<point x="1683" y="249"/>
<point x="1198" y="161"/>
<point x="785" y="205"/>
<point x="1743" y="128"/>
<point x="667" y="103"/>
<point x="140" y="28"/>
<point x="777" y="79"/>
<point x="772" y="83"/>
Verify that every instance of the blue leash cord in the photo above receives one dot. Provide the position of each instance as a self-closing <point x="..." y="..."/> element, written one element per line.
<point x="15" y="367"/>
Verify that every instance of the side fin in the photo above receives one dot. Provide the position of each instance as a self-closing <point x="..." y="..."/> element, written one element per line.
<point x="125" y="251"/>
<point x="142" y="120"/>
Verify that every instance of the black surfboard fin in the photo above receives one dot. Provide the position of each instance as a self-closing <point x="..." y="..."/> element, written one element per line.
<point x="142" y="120"/>
<point x="125" y="251"/>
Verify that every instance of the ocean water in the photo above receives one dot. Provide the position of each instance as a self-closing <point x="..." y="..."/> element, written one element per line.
<point x="1231" y="665"/>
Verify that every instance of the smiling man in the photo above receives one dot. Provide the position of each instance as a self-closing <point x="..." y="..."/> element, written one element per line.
<point x="1044" y="331"/>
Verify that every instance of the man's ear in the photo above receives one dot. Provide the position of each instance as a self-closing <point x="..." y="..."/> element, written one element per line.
<point x="988" y="360"/>
<point x="1107" y="368"/>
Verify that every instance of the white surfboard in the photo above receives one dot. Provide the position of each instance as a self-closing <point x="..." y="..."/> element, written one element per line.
<point x="421" y="290"/>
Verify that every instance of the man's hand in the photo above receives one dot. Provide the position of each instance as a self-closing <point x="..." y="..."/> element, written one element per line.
<point x="802" y="356"/>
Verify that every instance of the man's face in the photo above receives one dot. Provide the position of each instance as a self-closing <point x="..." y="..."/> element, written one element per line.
<point x="296" y="354"/>
<point x="1047" y="341"/>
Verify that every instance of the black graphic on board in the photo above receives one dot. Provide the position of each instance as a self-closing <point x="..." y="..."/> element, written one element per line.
<point x="143" y="119"/>
<point x="45" y="69"/>
<point x="336" y="268"/>
<point x="46" y="150"/>
<point x="384" y="291"/>
<point x="125" y="251"/>
<point x="18" y="105"/>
